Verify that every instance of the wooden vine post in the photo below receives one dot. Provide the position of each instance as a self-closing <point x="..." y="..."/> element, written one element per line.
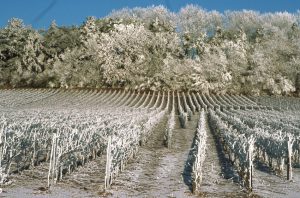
<point x="289" y="158"/>
<point x="52" y="160"/>
<point x="298" y="152"/>
<point x="108" y="164"/>
<point x="249" y="181"/>
<point x="297" y="83"/>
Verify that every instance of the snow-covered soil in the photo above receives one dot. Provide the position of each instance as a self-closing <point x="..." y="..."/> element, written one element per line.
<point x="219" y="177"/>
<point x="159" y="171"/>
<point x="267" y="184"/>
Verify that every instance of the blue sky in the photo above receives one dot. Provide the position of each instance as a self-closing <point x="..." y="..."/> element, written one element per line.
<point x="40" y="13"/>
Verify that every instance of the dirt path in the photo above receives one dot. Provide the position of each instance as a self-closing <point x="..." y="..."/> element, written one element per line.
<point x="219" y="177"/>
<point x="158" y="171"/>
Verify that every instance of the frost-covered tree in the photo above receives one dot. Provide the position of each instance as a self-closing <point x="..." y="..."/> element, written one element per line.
<point x="78" y="65"/>
<point x="58" y="39"/>
<point x="147" y="16"/>
<point x="55" y="43"/>
<point x="21" y="58"/>
<point x="123" y="53"/>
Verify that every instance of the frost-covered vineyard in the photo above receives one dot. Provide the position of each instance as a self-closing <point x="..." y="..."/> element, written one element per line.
<point x="63" y="130"/>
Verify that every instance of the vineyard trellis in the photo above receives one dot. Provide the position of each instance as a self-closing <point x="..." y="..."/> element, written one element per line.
<point x="67" y="128"/>
<point x="200" y="152"/>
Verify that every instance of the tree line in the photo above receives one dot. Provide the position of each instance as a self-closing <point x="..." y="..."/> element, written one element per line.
<point x="153" y="48"/>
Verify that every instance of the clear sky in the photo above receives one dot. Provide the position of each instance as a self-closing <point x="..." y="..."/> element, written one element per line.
<point x="40" y="13"/>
